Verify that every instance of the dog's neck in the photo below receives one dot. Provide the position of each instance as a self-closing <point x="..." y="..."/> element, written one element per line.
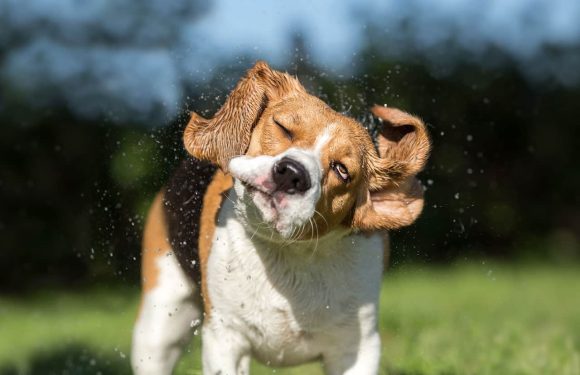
<point x="314" y="247"/>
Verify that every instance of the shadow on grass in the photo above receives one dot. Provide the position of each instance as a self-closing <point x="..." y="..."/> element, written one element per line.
<point x="396" y="371"/>
<point x="72" y="359"/>
<point x="80" y="359"/>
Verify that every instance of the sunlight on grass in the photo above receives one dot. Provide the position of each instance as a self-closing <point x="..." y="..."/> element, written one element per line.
<point x="467" y="319"/>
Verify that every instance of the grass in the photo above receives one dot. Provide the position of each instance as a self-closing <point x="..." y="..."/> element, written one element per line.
<point x="467" y="319"/>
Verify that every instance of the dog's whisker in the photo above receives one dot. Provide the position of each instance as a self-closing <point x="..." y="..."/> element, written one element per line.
<point x="311" y="222"/>
<point x="286" y="241"/>
<point x="271" y="234"/>
<point x="311" y="236"/>
<point x="317" y="236"/>
<point x="227" y="196"/>
<point x="302" y="228"/>
<point x="256" y="231"/>
<point x="323" y="218"/>
<point x="295" y="235"/>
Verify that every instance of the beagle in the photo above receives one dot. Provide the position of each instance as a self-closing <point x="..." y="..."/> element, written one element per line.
<point x="270" y="240"/>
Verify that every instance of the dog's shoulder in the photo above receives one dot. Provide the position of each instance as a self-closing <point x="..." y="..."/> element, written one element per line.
<point x="191" y="202"/>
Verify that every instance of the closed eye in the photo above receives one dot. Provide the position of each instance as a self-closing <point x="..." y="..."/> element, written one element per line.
<point x="286" y="132"/>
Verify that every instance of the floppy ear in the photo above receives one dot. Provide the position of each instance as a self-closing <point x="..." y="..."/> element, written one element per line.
<point x="394" y="197"/>
<point x="228" y="133"/>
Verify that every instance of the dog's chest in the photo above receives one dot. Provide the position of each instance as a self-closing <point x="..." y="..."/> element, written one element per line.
<point x="291" y="305"/>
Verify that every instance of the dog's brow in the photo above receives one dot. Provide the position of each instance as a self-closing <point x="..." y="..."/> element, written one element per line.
<point x="322" y="140"/>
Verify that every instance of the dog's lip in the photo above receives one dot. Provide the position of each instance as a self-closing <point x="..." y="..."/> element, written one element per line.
<point x="265" y="194"/>
<point x="252" y="187"/>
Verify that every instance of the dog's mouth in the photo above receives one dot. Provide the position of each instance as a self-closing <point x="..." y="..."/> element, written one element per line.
<point x="267" y="204"/>
<point x="263" y="199"/>
<point x="270" y="205"/>
<point x="254" y="191"/>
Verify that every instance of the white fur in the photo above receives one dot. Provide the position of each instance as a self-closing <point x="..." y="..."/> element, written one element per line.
<point x="289" y="304"/>
<point x="286" y="302"/>
<point x="169" y="315"/>
<point x="290" y="211"/>
<point x="283" y="302"/>
<point x="322" y="140"/>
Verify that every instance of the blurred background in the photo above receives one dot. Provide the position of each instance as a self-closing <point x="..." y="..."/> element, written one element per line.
<point x="94" y="96"/>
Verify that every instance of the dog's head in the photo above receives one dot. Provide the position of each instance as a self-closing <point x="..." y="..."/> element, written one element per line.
<point x="302" y="169"/>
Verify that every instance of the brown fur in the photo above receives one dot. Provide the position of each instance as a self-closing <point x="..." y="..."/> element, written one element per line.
<point x="394" y="197"/>
<point x="267" y="113"/>
<point x="228" y="133"/>
<point x="382" y="192"/>
<point x="307" y="117"/>
<point x="155" y="243"/>
<point x="212" y="201"/>
<point x="156" y="237"/>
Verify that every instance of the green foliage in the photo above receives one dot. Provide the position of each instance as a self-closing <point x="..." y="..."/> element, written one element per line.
<point x="466" y="319"/>
<point x="501" y="181"/>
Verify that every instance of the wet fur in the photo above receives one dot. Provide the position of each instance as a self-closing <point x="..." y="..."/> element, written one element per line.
<point x="286" y="278"/>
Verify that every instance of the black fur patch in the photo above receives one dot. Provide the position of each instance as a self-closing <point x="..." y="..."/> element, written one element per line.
<point x="182" y="204"/>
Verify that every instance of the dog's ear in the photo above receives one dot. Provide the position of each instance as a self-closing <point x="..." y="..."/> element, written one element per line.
<point x="394" y="197"/>
<point x="228" y="133"/>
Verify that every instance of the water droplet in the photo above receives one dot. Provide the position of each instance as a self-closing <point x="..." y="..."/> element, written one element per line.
<point x="195" y="323"/>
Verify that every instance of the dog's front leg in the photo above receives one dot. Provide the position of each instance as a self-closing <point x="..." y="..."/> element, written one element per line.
<point x="363" y="360"/>
<point x="224" y="351"/>
<point x="359" y="347"/>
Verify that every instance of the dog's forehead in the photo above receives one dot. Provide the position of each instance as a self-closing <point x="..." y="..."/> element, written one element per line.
<point x="316" y="118"/>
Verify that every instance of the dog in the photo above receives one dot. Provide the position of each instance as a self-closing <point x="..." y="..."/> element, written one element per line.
<point x="270" y="239"/>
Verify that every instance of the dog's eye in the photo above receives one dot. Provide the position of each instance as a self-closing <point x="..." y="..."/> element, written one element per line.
<point x="286" y="132"/>
<point x="340" y="171"/>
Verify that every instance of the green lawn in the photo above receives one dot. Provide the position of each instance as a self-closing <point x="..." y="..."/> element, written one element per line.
<point x="468" y="319"/>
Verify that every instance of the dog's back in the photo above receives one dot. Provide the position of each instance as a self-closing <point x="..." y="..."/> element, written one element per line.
<point x="182" y="207"/>
<point x="176" y="242"/>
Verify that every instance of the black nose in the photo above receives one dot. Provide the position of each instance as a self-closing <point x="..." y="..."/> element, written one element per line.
<point x="290" y="176"/>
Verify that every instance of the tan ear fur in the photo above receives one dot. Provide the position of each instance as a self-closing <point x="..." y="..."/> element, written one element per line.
<point x="394" y="197"/>
<point x="404" y="146"/>
<point x="390" y="208"/>
<point x="228" y="133"/>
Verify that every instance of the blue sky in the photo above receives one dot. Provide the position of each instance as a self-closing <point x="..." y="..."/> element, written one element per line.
<point x="263" y="28"/>
<point x="134" y="59"/>
<point x="335" y="29"/>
